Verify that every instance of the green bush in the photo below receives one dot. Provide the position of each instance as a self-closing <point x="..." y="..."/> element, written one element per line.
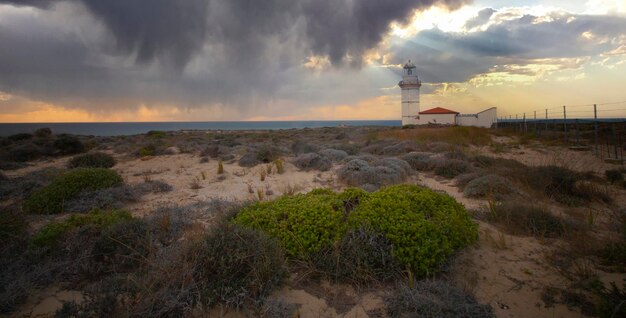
<point x="303" y="223"/>
<point x="51" y="199"/>
<point x="50" y="233"/>
<point x="92" y="160"/>
<point x="69" y="145"/>
<point x="149" y="150"/>
<point x="236" y="266"/>
<point x="425" y="227"/>
<point x="156" y="134"/>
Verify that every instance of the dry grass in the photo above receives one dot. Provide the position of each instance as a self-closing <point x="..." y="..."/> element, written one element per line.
<point x="457" y="135"/>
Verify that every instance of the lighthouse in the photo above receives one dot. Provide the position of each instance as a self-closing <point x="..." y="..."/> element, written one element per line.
<point x="410" y="86"/>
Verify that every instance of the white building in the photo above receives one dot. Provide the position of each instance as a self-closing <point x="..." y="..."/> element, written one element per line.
<point x="410" y="86"/>
<point x="486" y="118"/>
<point x="443" y="116"/>
<point x="437" y="116"/>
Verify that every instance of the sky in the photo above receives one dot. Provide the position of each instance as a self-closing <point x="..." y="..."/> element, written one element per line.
<point x="212" y="60"/>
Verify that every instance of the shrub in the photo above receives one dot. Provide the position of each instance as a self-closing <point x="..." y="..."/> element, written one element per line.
<point x="420" y="161"/>
<point x="23" y="153"/>
<point x="457" y="135"/>
<point x="266" y="154"/>
<point x="388" y="171"/>
<point x="333" y="154"/>
<point x="156" y="134"/>
<point x="312" y="161"/>
<point x="361" y="257"/>
<point x="220" y="167"/>
<point x="20" y="137"/>
<point x="249" y="159"/>
<point x="280" y="169"/>
<point x="149" y="150"/>
<point x="489" y="186"/>
<point x="612" y="301"/>
<point x="51" y="198"/>
<point x="44" y="132"/>
<point x="402" y="147"/>
<point x="68" y="145"/>
<point x="614" y="254"/>
<point x="520" y="218"/>
<point x="434" y="299"/>
<point x="301" y="147"/>
<point x="123" y="244"/>
<point x="614" y="175"/>
<point x="562" y="185"/>
<point x="50" y="233"/>
<point x="425" y="227"/>
<point x="235" y="266"/>
<point x="302" y="223"/>
<point x="12" y="224"/>
<point x="23" y="186"/>
<point x="451" y="168"/>
<point x="92" y="160"/>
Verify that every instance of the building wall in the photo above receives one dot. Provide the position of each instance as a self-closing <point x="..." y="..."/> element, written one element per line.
<point x="483" y="119"/>
<point x="441" y="119"/>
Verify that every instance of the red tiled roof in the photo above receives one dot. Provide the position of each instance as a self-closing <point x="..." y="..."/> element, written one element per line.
<point x="438" y="110"/>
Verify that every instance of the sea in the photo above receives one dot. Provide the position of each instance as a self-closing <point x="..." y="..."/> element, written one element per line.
<point x="134" y="128"/>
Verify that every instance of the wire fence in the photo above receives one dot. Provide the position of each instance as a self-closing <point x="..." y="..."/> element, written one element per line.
<point x="600" y="128"/>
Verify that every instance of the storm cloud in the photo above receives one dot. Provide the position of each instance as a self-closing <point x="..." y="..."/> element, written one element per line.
<point x="114" y="54"/>
<point x="190" y="52"/>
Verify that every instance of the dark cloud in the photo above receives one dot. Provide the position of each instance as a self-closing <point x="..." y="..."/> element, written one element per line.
<point x="189" y="52"/>
<point x="480" y="19"/>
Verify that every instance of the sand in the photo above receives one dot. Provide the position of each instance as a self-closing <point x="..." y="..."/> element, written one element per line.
<point x="508" y="272"/>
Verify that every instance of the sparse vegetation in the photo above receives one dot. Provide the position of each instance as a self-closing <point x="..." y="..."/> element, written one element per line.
<point x="235" y="266"/>
<point x="489" y="186"/>
<point x="50" y="234"/>
<point x="280" y="169"/>
<point x="525" y="219"/>
<point x="92" y="160"/>
<point x="451" y="168"/>
<point x="358" y="172"/>
<point x="312" y="161"/>
<point x="68" y="145"/>
<point x="220" y="167"/>
<point x="434" y="299"/>
<point x="51" y="198"/>
<point x="458" y="135"/>
<point x="614" y="175"/>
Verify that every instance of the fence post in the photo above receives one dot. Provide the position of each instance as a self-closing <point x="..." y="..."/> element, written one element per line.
<point x="524" y="126"/>
<point x="546" y="121"/>
<point x="577" y="132"/>
<point x="614" y="140"/>
<point x="565" y="122"/>
<point x="595" y="121"/>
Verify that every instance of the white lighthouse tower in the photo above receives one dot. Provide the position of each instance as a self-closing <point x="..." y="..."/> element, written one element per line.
<point x="410" y="86"/>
